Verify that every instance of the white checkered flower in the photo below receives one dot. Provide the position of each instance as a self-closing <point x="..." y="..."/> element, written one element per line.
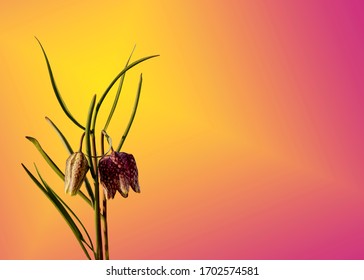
<point x="76" y="169"/>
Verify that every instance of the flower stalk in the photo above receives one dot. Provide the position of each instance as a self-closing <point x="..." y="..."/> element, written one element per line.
<point x="104" y="205"/>
<point x="115" y="172"/>
<point x="99" y="251"/>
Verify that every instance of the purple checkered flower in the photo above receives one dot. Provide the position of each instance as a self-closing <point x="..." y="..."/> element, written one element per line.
<point x="118" y="172"/>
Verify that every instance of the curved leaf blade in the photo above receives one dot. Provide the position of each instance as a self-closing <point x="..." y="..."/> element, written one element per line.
<point x="56" y="91"/>
<point x="60" y="208"/>
<point x="37" y="183"/>
<point x="53" y="165"/>
<point x="70" y="151"/>
<point x="117" y="94"/>
<point x="91" y="246"/>
<point x="113" y="82"/>
<point x="132" y="114"/>
<point x="46" y="157"/>
<point x="60" y="134"/>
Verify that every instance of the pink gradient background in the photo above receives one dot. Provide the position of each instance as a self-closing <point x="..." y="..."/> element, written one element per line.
<point x="249" y="135"/>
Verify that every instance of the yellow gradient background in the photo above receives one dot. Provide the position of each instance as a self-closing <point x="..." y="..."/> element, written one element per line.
<point x="234" y="138"/>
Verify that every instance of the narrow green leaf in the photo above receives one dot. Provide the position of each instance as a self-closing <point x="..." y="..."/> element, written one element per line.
<point x="56" y="91"/>
<point x="117" y="94"/>
<point x="60" y="134"/>
<point x="61" y="210"/>
<point x="88" y="136"/>
<point x="46" y="157"/>
<point x="132" y="114"/>
<point x="39" y="185"/>
<point x="60" y="205"/>
<point x="54" y="166"/>
<point x="91" y="246"/>
<point x="70" y="151"/>
<point x="113" y="82"/>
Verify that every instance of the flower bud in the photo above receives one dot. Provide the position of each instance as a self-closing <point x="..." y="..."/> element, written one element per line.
<point x="76" y="169"/>
<point x="118" y="172"/>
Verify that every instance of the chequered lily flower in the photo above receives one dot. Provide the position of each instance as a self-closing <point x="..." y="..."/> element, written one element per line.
<point x="118" y="172"/>
<point x="76" y="169"/>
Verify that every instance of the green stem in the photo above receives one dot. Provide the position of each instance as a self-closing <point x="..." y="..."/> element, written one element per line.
<point x="81" y="141"/>
<point x="91" y="153"/>
<point x="88" y="133"/>
<point x="106" y="232"/>
<point x="104" y="210"/>
<point x="99" y="252"/>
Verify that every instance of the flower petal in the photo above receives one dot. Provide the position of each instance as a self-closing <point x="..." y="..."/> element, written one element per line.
<point x="76" y="169"/>
<point x="108" y="176"/>
<point x="118" y="172"/>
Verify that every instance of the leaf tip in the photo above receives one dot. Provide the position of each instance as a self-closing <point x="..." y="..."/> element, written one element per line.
<point x="36" y="38"/>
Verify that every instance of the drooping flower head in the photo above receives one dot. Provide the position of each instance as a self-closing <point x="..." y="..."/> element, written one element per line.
<point x="118" y="172"/>
<point x="76" y="169"/>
